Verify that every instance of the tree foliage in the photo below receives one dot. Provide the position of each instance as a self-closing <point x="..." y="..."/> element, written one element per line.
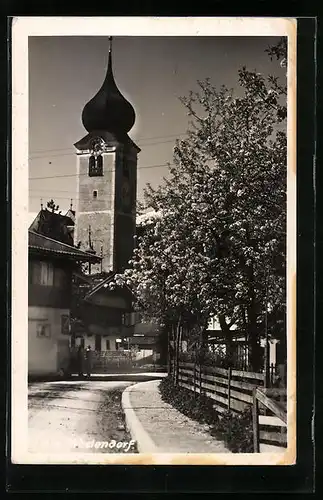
<point x="218" y="245"/>
<point x="52" y="206"/>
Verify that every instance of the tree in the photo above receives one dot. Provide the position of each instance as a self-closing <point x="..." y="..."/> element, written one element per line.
<point x="219" y="247"/>
<point x="51" y="206"/>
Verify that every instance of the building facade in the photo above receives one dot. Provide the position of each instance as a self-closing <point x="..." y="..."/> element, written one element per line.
<point x="51" y="265"/>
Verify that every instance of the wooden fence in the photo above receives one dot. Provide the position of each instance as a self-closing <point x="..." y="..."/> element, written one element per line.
<point x="269" y="416"/>
<point x="235" y="390"/>
<point x="230" y="389"/>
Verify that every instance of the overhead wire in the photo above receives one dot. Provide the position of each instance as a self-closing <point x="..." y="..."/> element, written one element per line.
<point x="72" y="153"/>
<point x="75" y="175"/>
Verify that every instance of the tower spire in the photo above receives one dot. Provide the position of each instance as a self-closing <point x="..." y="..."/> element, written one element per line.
<point x="71" y="205"/>
<point x="109" y="110"/>
<point x="109" y="73"/>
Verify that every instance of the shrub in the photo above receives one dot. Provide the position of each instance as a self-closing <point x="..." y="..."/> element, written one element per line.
<point x="236" y="431"/>
<point x="205" y="358"/>
<point x="195" y="406"/>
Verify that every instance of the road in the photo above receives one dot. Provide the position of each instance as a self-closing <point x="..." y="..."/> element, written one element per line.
<point x="65" y="417"/>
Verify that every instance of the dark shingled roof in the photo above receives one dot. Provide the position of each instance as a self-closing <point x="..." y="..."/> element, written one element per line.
<point x="53" y="225"/>
<point x="42" y="244"/>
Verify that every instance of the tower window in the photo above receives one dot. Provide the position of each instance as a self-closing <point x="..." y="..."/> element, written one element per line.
<point x="95" y="194"/>
<point x="99" y="165"/>
<point x="95" y="166"/>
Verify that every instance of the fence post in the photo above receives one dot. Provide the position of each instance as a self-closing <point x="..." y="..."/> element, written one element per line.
<point x="229" y="388"/>
<point x="255" y="421"/>
<point x="194" y="378"/>
<point x="271" y="374"/>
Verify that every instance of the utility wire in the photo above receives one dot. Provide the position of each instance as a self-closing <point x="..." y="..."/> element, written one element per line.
<point x="73" y="153"/>
<point x="75" y="175"/>
<point x="139" y="139"/>
<point x="35" y="196"/>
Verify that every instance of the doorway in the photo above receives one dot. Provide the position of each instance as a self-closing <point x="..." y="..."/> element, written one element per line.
<point x="98" y="342"/>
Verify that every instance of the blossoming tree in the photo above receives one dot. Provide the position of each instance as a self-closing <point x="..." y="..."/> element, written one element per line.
<point x="218" y="244"/>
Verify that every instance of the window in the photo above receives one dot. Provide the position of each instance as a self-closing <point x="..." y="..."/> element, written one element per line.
<point x="95" y="194"/>
<point x="98" y="342"/>
<point x="43" y="330"/>
<point x="92" y="162"/>
<point x="99" y="165"/>
<point x="107" y="344"/>
<point x="47" y="274"/>
<point x="34" y="271"/>
<point x="42" y="273"/>
<point x="95" y="166"/>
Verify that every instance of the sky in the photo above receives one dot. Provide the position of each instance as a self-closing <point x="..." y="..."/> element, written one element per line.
<point x="65" y="72"/>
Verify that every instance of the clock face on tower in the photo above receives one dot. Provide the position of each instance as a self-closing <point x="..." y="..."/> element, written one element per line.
<point x="97" y="145"/>
<point x="125" y="194"/>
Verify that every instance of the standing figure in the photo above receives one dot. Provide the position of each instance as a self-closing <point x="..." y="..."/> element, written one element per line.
<point x="80" y="360"/>
<point x="88" y="360"/>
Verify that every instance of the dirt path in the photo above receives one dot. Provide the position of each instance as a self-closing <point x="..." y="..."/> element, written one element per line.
<point x="77" y="416"/>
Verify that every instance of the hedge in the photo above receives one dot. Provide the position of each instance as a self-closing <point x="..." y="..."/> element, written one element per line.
<point x="234" y="429"/>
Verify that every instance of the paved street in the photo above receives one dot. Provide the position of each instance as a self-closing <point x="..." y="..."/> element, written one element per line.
<point x="74" y="415"/>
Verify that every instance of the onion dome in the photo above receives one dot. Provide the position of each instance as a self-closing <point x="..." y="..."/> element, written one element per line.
<point x="109" y="110"/>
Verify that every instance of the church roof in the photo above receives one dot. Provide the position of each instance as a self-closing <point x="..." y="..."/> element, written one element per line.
<point x="109" y="110"/>
<point x="44" y="245"/>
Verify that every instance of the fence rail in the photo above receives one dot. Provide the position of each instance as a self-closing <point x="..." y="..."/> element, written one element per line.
<point x="271" y="429"/>
<point x="228" y="388"/>
<point x="235" y="391"/>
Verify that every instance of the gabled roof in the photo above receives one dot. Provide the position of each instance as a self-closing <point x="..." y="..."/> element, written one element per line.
<point x="45" y="245"/>
<point x="54" y="225"/>
<point x="100" y="285"/>
<point x="101" y="281"/>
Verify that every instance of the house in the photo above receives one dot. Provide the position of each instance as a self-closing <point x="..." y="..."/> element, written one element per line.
<point x="100" y="317"/>
<point x="100" y="312"/>
<point x="51" y="265"/>
<point x="276" y="347"/>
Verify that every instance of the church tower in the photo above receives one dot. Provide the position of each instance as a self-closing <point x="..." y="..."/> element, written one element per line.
<point x="107" y="177"/>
